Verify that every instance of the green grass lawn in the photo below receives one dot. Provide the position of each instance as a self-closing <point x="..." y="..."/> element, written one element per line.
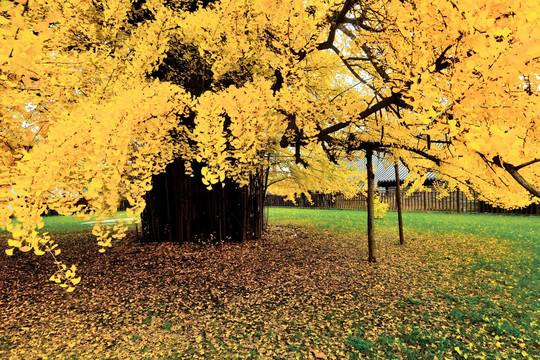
<point x="521" y="229"/>
<point x="66" y="224"/>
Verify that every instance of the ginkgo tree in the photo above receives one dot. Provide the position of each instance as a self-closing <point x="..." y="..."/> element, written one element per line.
<point x="462" y="88"/>
<point x="449" y="86"/>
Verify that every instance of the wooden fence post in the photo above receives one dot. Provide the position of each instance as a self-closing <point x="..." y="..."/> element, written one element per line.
<point x="457" y="202"/>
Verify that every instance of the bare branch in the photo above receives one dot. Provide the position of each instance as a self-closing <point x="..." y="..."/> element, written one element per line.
<point x="380" y="146"/>
<point x="352" y="71"/>
<point x="375" y="63"/>
<point x="526" y="164"/>
<point x="340" y="17"/>
<point x="394" y="99"/>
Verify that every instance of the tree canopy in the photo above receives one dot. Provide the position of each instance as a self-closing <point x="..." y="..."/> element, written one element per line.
<point x="451" y="87"/>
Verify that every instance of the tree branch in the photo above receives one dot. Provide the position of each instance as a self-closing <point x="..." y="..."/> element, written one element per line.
<point x="339" y="19"/>
<point x="380" y="145"/>
<point x="352" y="71"/>
<point x="394" y="99"/>
<point x="512" y="170"/>
<point x="526" y="164"/>
<point x="376" y="65"/>
<point x="360" y="23"/>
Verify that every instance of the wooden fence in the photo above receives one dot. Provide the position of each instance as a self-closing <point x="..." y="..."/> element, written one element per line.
<point x="457" y="201"/>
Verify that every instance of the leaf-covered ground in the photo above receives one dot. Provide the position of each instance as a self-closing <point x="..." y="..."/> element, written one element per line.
<point x="300" y="293"/>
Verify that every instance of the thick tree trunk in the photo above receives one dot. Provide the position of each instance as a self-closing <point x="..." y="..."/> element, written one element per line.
<point x="370" y="207"/>
<point x="180" y="208"/>
<point x="398" y="203"/>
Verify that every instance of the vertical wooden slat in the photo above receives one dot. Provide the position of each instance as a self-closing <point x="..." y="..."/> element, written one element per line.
<point x="169" y="222"/>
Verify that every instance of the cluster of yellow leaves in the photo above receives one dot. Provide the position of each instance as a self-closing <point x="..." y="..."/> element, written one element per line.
<point x="232" y="131"/>
<point x="380" y="208"/>
<point x="289" y="179"/>
<point x="469" y="74"/>
<point x="253" y="36"/>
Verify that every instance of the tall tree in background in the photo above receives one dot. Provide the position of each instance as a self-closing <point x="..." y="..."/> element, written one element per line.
<point x="91" y="108"/>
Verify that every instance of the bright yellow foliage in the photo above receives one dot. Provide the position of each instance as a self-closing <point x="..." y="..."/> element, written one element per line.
<point x="289" y="179"/>
<point x="462" y="85"/>
<point x="451" y="86"/>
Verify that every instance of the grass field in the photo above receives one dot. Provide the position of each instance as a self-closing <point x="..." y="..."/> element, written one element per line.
<point x="521" y="229"/>
<point x="463" y="287"/>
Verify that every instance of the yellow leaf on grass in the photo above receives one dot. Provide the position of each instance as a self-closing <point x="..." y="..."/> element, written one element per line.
<point x="9" y="252"/>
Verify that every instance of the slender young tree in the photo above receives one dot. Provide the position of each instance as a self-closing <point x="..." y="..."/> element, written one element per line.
<point x="372" y="250"/>
<point x="398" y="204"/>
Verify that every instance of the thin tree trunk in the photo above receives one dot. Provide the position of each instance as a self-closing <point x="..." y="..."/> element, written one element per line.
<point x="398" y="205"/>
<point x="370" y="206"/>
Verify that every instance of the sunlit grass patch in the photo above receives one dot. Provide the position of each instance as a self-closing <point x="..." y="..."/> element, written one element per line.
<point x="62" y="224"/>
<point x="522" y="229"/>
